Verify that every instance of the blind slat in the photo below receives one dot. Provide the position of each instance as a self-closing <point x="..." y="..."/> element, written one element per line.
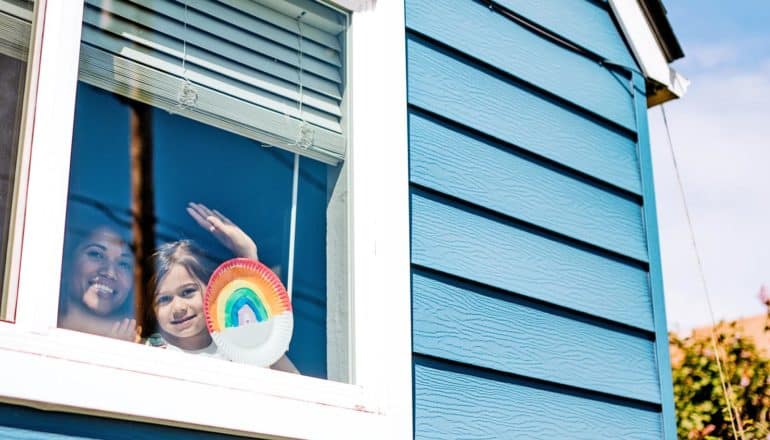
<point x="244" y="67"/>
<point x="255" y="63"/>
<point x="316" y="14"/>
<point x="169" y="60"/>
<point x="284" y="22"/>
<point x="18" y="8"/>
<point x="212" y="37"/>
<point x="14" y="36"/>
<point x="159" y="89"/>
<point x="170" y="66"/>
<point x="199" y="15"/>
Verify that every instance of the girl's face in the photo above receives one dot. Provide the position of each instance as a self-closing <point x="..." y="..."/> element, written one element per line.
<point x="102" y="272"/>
<point x="179" y="308"/>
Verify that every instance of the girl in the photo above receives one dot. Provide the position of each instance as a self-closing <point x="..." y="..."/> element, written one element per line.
<point x="175" y="298"/>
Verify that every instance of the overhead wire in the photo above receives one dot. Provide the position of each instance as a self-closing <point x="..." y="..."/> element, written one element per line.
<point x="733" y="412"/>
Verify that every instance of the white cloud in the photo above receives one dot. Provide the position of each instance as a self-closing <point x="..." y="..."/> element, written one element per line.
<point x="712" y="55"/>
<point x="721" y="134"/>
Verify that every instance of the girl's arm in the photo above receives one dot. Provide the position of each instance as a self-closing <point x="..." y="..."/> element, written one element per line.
<point x="224" y="230"/>
<point x="285" y="364"/>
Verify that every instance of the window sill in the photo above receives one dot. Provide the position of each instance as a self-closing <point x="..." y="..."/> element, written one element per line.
<point x="70" y="371"/>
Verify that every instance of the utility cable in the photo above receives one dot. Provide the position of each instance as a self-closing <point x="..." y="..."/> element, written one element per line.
<point x="733" y="412"/>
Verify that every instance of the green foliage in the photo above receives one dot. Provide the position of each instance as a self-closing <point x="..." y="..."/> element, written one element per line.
<point x="700" y="404"/>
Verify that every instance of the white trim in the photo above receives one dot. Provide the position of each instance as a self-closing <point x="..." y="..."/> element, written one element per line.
<point x="18" y="199"/>
<point x="356" y="5"/>
<point x="645" y="48"/>
<point x="37" y="304"/>
<point x="147" y="384"/>
<point x="76" y="372"/>
<point x="382" y="357"/>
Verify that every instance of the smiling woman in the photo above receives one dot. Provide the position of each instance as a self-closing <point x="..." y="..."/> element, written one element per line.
<point x="97" y="278"/>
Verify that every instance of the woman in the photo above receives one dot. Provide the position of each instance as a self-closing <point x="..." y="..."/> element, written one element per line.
<point x="97" y="284"/>
<point x="178" y="286"/>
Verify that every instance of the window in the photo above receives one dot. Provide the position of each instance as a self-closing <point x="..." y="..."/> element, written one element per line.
<point x="15" y="35"/>
<point x="236" y="106"/>
<point x="365" y="248"/>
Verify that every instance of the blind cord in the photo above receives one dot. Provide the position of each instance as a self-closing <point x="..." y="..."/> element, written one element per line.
<point x="188" y="95"/>
<point x="304" y="140"/>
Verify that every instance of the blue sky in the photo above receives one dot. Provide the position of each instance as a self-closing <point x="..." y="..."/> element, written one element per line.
<point x="721" y="135"/>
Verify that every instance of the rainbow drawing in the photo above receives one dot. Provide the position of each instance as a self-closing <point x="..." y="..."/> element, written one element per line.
<point x="248" y="312"/>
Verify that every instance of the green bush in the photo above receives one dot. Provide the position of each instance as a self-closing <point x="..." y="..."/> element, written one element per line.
<point x="700" y="404"/>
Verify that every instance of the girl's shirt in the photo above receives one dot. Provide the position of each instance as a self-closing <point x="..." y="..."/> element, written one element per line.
<point x="156" y="340"/>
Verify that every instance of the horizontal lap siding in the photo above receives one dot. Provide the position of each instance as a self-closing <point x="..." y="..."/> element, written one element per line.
<point x="582" y="22"/>
<point x="455" y="321"/>
<point x="460" y="91"/>
<point x="457" y="404"/>
<point x="494" y="177"/>
<point x="451" y="239"/>
<point x="532" y="306"/>
<point x="24" y="423"/>
<point x="496" y="40"/>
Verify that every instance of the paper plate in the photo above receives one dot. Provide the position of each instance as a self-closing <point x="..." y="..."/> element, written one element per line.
<point x="248" y="312"/>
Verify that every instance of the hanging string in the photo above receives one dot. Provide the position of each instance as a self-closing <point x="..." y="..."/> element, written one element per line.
<point x="304" y="140"/>
<point x="305" y="134"/>
<point x="733" y="412"/>
<point x="293" y="226"/>
<point x="188" y="95"/>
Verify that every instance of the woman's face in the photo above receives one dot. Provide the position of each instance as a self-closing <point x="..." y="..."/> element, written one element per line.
<point x="102" y="273"/>
<point x="179" y="307"/>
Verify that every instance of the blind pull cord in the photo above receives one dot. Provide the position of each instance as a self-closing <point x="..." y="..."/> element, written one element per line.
<point x="304" y="141"/>
<point x="188" y="95"/>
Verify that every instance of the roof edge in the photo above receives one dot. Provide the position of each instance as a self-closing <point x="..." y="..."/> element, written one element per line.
<point x="656" y="15"/>
<point x="664" y="83"/>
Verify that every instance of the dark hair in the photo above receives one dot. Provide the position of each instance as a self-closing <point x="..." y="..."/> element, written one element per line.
<point x="184" y="253"/>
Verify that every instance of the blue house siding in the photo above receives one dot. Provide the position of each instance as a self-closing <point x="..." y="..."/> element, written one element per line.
<point x="22" y="423"/>
<point x="537" y="309"/>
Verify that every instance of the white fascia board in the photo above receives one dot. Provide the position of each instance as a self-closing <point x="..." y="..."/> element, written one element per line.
<point x="645" y="48"/>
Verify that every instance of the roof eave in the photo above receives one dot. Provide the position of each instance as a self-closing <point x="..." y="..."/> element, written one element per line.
<point x="655" y="12"/>
<point x="650" y="51"/>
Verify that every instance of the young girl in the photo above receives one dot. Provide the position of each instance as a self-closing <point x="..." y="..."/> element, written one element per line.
<point x="174" y="303"/>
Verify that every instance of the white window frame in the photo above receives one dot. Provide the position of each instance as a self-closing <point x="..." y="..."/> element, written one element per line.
<point x="63" y="370"/>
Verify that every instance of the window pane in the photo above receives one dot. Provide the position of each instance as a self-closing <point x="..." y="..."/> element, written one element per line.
<point x="15" y="34"/>
<point x="127" y="158"/>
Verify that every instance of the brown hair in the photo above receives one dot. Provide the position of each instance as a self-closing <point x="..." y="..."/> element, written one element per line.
<point x="182" y="252"/>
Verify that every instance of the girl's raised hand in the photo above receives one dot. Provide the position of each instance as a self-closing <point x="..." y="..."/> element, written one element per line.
<point x="224" y="230"/>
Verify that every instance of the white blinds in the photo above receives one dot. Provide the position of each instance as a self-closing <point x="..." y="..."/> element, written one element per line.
<point x="253" y="67"/>
<point x="15" y="28"/>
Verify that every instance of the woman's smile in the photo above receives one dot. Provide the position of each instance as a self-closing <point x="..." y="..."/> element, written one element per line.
<point x="101" y="277"/>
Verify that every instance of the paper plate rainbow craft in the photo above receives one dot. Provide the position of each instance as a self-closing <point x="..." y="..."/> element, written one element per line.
<point x="248" y="312"/>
